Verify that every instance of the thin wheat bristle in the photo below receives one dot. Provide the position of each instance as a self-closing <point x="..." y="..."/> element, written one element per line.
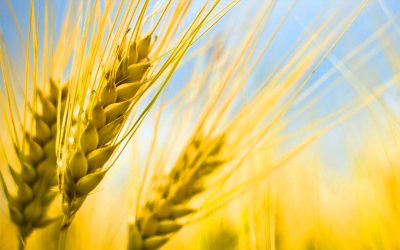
<point x="161" y="215"/>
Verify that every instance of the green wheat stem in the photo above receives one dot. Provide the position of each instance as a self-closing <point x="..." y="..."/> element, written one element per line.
<point x="62" y="238"/>
<point x="21" y="243"/>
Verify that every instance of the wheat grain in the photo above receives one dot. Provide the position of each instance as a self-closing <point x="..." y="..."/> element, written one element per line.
<point x="160" y="217"/>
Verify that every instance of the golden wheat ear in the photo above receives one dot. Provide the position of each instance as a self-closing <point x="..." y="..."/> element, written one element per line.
<point x="85" y="167"/>
<point x="163" y="214"/>
<point x="37" y="166"/>
<point x="105" y="100"/>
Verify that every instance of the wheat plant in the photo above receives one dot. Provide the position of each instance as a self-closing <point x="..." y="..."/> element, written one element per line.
<point x="160" y="217"/>
<point x="29" y="141"/>
<point x="84" y="169"/>
<point x="93" y="130"/>
<point x="37" y="176"/>
<point x="223" y="135"/>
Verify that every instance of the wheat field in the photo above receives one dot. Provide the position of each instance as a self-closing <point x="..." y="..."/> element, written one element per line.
<point x="215" y="124"/>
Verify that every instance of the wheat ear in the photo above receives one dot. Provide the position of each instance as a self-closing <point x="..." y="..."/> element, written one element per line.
<point x="85" y="166"/>
<point x="37" y="158"/>
<point x="161" y="215"/>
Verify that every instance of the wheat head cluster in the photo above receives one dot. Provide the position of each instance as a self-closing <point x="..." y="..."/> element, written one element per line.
<point x="217" y="124"/>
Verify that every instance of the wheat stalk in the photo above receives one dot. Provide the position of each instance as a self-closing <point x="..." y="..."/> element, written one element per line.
<point x="161" y="215"/>
<point x="37" y="175"/>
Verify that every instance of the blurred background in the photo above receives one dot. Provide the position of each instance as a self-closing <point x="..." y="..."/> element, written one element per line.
<point x="341" y="191"/>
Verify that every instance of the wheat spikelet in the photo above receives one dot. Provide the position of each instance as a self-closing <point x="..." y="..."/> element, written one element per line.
<point x="37" y="160"/>
<point x="161" y="216"/>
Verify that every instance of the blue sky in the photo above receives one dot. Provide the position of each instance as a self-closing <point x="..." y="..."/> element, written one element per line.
<point x="376" y="14"/>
